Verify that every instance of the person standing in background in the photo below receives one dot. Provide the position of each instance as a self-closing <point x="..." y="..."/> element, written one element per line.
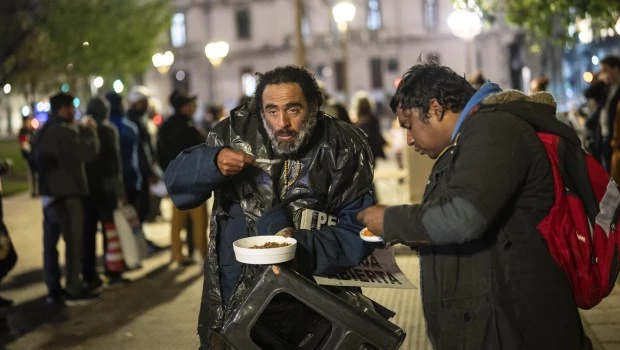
<point x="8" y="256"/>
<point x="129" y="143"/>
<point x="175" y="135"/>
<point x="601" y="123"/>
<point x="367" y="121"/>
<point x="60" y="149"/>
<point x="24" y="136"/>
<point x="138" y="101"/>
<point x="539" y="84"/>
<point x="106" y="190"/>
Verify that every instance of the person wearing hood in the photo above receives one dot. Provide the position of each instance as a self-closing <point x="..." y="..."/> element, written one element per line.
<point x="105" y="181"/>
<point x="309" y="160"/>
<point x="61" y="148"/>
<point x="487" y="277"/>
<point x="129" y="137"/>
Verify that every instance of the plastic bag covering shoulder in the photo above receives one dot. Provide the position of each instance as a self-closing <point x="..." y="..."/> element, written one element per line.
<point x="336" y="168"/>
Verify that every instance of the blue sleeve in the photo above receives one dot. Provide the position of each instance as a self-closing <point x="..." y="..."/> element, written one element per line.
<point x="333" y="249"/>
<point x="192" y="176"/>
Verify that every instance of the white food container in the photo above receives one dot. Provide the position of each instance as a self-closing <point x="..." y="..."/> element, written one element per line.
<point x="264" y="256"/>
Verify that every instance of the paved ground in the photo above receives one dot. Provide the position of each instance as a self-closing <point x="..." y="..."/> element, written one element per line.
<point x="159" y="309"/>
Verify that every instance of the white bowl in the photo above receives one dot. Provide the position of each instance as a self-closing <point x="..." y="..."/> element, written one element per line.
<point x="264" y="256"/>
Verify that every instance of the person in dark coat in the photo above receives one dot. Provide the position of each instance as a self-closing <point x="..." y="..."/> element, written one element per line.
<point x="8" y="256"/>
<point x="23" y="137"/>
<point x="321" y="163"/>
<point x="487" y="277"/>
<point x="176" y="134"/>
<point x="105" y="181"/>
<point x="61" y="147"/>
<point x="369" y="123"/>
<point x="602" y="123"/>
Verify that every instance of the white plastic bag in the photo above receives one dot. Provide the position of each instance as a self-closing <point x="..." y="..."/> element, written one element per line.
<point x="131" y="236"/>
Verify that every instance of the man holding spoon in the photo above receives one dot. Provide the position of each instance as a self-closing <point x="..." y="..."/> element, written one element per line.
<point x="272" y="159"/>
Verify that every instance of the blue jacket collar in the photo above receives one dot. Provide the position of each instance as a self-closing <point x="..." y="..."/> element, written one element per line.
<point x="487" y="89"/>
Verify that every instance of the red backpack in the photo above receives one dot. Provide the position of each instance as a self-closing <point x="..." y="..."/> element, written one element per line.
<point x="581" y="228"/>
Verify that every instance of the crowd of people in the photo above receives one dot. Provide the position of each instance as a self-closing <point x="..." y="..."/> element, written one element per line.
<point x="84" y="170"/>
<point x="475" y="230"/>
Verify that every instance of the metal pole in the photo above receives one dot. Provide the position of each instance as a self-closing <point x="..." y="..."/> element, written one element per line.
<point x="345" y="62"/>
<point x="468" y="49"/>
<point x="300" y="45"/>
<point x="216" y="77"/>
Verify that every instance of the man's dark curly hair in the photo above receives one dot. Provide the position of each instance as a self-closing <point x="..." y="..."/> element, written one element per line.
<point x="287" y="74"/>
<point x="426" y="81"/>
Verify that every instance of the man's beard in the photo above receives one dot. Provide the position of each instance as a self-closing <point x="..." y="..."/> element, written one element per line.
<point x="299" y="138"/>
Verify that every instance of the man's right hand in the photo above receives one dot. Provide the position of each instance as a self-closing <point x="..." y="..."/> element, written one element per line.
<point x="231" y="162"/>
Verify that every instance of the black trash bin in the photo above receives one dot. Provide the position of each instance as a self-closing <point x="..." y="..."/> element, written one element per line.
<point x="328" y="322"/>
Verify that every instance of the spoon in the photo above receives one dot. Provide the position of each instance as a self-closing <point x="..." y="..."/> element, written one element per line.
<point x="267" y="161"/>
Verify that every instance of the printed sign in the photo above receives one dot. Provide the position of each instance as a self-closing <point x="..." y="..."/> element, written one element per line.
<point x="378" y="270"/>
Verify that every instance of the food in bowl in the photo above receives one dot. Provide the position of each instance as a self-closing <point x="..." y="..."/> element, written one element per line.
<point x="264" y="250"/>
<point x="366" y="232"/>
<point x="270" y="245"/>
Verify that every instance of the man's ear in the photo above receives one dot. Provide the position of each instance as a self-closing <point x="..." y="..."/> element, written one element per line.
<point x="435" y="110"/>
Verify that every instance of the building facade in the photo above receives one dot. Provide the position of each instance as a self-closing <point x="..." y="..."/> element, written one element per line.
<point x="385" y="38"/>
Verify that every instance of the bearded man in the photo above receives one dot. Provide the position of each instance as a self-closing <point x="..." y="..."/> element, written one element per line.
<point x="267" y="163"/>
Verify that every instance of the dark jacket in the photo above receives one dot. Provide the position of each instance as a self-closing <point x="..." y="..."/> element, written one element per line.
<point x="487" y="277"/>
<point x="176" y="134"/>
<point x="60" y="150"/>
<point x="597" y="142"/>
<point x="105" y="171"/>
<point x="146" y="153"/>
<point x="335" y="178"/>
<point x="4" y="168"/>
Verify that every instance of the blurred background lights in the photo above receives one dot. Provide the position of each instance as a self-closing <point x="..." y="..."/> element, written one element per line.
<point x="587" y="77"/>
<point x="25" y="111"/>
<point x="180" y="75"/>
<point x="118" y="86"/>
<point x="98" y="82"/>
<point x="43" y="106"/>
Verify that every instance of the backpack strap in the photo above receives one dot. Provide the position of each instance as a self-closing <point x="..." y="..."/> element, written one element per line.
<point x="574" y="170"/>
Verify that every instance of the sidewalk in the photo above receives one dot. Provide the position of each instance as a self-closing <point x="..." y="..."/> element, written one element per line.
<point x="159" y="310"/>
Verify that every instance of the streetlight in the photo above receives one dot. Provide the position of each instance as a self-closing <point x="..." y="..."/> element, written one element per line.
<point x="6" y="88"/>
<point x="344" y="12"/>
<point x="216" y="52"/>
<point x="163" y="61"/>
<point x="465" y="23"/>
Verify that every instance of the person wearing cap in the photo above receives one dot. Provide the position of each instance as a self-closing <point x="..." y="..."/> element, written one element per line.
<point x="176" y="134"/>
<point x="138" y="100"/>
<point x="105" y="183"/>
